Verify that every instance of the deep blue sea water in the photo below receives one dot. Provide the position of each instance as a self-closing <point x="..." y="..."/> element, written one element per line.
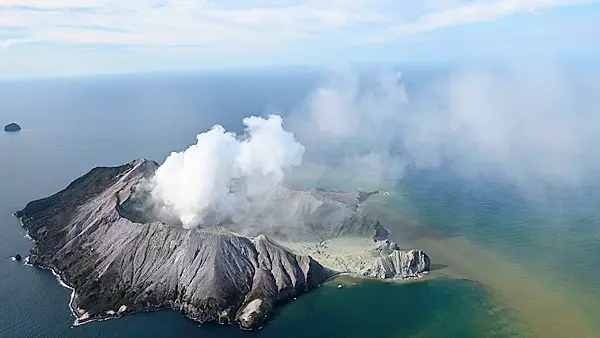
<point x="72" y="125"/>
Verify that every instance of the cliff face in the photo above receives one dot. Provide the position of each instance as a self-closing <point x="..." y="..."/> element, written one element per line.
<point x="116" y="265"/>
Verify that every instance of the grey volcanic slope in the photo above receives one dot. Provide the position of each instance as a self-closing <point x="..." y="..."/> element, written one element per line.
<point x="122" y="259"/>
<point x="117" y="266"/>
<point x="314" y="214"/>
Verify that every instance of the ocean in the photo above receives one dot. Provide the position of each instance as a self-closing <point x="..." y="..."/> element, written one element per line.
<point x="504" y="265"/>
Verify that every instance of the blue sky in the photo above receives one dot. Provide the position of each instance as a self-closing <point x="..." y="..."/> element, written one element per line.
<point x="72" y="37"/>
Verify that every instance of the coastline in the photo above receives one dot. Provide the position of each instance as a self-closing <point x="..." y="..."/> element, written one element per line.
<point x="63" y="284"/>
<point x="78" y="319"/>
<point x="355" y="249"/>
<point x="352" y="279"/>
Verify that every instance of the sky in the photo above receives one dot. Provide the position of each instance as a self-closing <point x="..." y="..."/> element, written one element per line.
<point x="41" y="38"/>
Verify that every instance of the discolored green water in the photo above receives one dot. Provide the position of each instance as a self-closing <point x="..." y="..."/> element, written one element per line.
<point x="434" y="308"/>
<point x="538" y="253"/>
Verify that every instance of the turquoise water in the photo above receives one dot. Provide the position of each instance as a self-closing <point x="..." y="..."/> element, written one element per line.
<point x="554" y="235"/>
<point x="71" y="127"/>
<point x="448" y="307"/>
<point x="539" y="253"/>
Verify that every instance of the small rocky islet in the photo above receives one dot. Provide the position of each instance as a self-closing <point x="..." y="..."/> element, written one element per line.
<point x="12" y="127"/>
<point x="102" y="239"/>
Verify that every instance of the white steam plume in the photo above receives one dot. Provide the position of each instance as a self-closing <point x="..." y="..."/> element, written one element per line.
<point x="532" y="124"/>
<point x="213" y="179"/>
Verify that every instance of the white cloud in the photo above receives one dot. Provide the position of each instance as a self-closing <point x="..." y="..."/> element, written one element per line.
<point x="467" y="13"/>
<point x="534" y="123"/>
<point x="172" y="23"/>
<point x="251" y="23"/>
<point x="5" y="44"/>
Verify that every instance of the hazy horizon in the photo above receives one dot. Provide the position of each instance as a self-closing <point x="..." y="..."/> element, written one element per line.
<point x="83" y="37"/>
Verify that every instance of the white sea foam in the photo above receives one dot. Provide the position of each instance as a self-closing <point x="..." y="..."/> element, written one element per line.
<point x="63" y="284"/>
<point x="60" y="281"/>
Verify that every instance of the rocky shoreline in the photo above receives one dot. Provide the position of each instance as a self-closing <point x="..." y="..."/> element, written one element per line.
<point x="78" y="319"/>
<point x="115" y="266"/>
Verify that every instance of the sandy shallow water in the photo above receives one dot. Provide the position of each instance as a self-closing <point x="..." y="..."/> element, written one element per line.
<point x="541" y="308"/>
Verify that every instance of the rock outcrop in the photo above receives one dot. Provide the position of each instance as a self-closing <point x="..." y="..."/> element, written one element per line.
<point x="120" y="258"/>
<point x="396" y="263"/>
<point x="12" y="127"/>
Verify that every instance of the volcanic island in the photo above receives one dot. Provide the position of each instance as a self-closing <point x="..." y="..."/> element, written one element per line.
<point x="104" y="239"/>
